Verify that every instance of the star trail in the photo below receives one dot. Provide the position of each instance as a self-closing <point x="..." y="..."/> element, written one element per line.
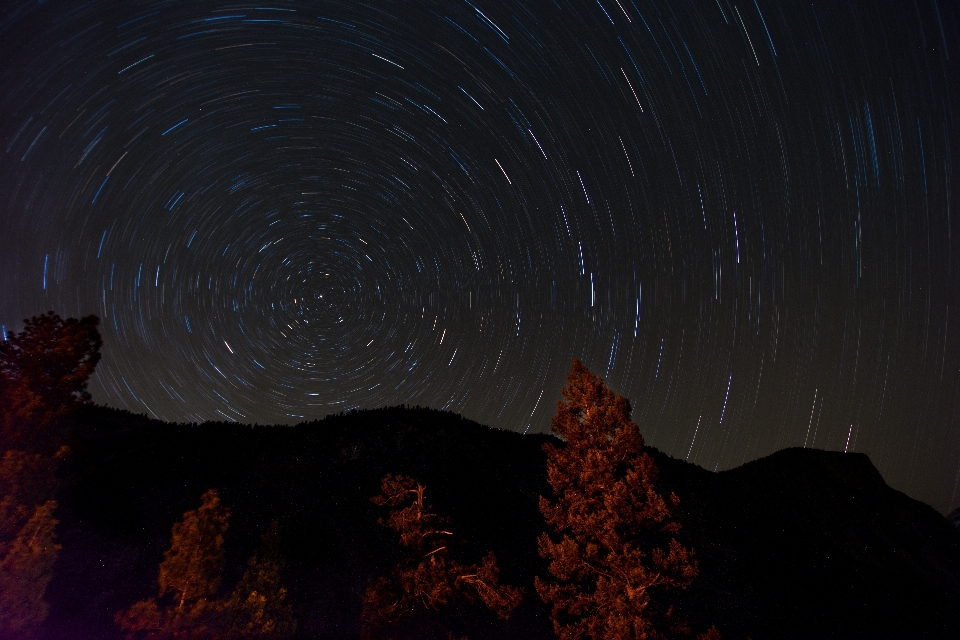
<point x="738" y="213"/>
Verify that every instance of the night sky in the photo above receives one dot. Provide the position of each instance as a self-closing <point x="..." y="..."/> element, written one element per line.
<point x="739" y="214"/>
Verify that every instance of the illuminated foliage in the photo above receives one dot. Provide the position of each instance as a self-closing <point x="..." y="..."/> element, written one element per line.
<point x="189" y="577"/>
<point x="612" y="534"/>
<point x="44" y="371"/>
<point x="257" y="608"/>
<point x="428" y="591"/>
<point x="25" y="570"/>
<point x="43" y="375"/>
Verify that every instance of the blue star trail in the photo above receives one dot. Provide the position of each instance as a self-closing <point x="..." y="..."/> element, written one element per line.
<point x="740" y="213"/>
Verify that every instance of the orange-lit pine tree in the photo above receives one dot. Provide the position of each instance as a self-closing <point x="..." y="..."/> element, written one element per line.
<point x="426" y="593"/>
<point x="612" y="535"/>
<point x="44" y="371"/>
<point x="190" y="575"/>
<point x="257" y="608"/>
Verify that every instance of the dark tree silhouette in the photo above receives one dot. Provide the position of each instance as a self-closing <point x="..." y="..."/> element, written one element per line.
<point x="612" y="538"/>
<point x="189" y="577"/>
<point x="427" y="592"/>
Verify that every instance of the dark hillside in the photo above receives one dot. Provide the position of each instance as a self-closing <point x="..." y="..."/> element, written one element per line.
<point x="802" y="544"/>
<point x="133" y="478"/>
<point x="814" y="544"/>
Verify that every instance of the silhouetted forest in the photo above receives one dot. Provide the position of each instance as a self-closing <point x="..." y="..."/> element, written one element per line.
<point x="801" y="544"/>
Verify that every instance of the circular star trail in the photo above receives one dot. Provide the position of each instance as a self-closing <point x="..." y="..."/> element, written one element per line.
<point x="738" y="213"/>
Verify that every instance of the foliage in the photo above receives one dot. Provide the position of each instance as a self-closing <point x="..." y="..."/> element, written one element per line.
<point x="257" y="607"/>
<point x="27" y="546"/>
<point x="43" y="374"/>
<point x="25" y="570"/>
<point x="189" y="577"/>
<point x="612" y="536"/>
<point x="192" y="566"/>
<point x="27" y="480"/>
<point x="428" y="591"/>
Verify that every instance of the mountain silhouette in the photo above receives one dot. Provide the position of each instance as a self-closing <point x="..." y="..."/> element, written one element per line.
<point x="800" y="544"/>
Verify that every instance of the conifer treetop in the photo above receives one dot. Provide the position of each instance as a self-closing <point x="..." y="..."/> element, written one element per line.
<point x="257" y="608"/>
<point x="428" y="590"/>
<point x="192" y="566"/>
<point x="53" y="355"/>
<point x="612" y="534"/>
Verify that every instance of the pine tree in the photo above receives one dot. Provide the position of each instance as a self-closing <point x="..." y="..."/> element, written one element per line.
<point x="192" y="567"/>
<point x="257" y="608"/>
<point x="428" y="591"/>
<point x="43" y="375"/>
<point x="25" y="571"/>
<point x="190" y="576"/>
<point x="612" y="538"/>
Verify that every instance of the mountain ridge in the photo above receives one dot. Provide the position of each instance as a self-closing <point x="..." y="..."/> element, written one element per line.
<point x="800" y="544"/>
